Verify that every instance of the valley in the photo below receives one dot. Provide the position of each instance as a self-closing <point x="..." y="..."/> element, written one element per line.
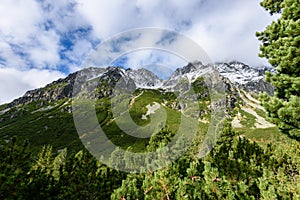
<point x="218" y="125"/>
<point x="44" y="116"/>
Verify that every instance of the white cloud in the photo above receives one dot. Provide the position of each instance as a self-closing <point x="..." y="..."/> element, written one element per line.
<point x="10" y="58"/>
<point x="225" y="29"/>
<point x="31" y="32"/>
<point x="26" y="41"/>
<point x="19" y="19"/>
<point x="46" y="51"/>
<point x="14" y="83"/>
<point x="108" y="17"/>
<point x="228" y="33"/>
<point x="79" y="51"/>
<point x="140" y="47"/>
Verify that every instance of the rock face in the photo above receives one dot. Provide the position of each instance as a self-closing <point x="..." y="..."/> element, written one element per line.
<point x="144" y="78"/>
<point x="246" y="77"/>
<point x="240" y="75"/>
<point x="235" y="74"/>
<point x="189" y="73"/>
<point x="60" y="89"/>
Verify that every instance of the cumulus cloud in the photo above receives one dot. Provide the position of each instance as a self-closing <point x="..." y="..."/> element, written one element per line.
<point x="228" y="32"/>
<point x="34" y="32"/>
<point x="18" y="18"/>
<point x="24" y="38"/>
<point x="63" y="35"/>
<point x="139" y="47"/>
<point x="225" y="29"/>
<point x="14" y="83"/>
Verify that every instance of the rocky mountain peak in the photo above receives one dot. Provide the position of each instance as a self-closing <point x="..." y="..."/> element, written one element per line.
<point x="245" y="77"/>
<point x="144" y="78"/>
<point x="190" y="67"/>
<point x="189" y="72"/>
<point x="241" y="75"/>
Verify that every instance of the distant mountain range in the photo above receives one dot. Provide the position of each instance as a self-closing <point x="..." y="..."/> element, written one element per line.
<point x="44" y="115"/>
<point x="240" y="75"/>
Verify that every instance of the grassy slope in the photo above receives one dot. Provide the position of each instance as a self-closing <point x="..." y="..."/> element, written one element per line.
<point x="41" y="127"/>
<point x="262" y="136"/>
<point x="57" y="128"/>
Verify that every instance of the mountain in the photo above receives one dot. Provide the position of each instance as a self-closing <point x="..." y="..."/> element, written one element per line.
<point x="239" y="74"/>
<point x="246" y="77"/>
<point x="44" y="115"/>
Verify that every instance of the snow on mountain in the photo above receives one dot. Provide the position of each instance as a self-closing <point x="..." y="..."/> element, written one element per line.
<point x="144" y="78"/>
<point x="239" y="73"/>
<point x="91" y="72"/>
<point x="246" y="77"/>
<point x="190" y="72"/>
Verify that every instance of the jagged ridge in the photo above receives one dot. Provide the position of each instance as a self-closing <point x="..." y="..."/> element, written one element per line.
<point x="239" y="74"/>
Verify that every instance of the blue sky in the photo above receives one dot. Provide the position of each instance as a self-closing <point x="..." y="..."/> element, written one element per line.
<point x="43" y="40"/>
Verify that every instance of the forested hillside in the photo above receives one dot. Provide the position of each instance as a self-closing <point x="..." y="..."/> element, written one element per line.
<point x="237" y="168"/>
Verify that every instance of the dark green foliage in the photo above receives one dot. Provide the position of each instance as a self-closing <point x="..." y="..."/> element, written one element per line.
<point x="237" y="168"/>
<point x="242" y="165"/>
<point x="41" y="127"/>
<point x="273" y="6"/>
<point x="77" y="176"/>
<point x="200" y="88"/>
<point x="280" y="45"/>
<point x="130" y="188"/>
<point x="160" y="139"/>
<point x="15" y="162"/>
<point x="85" y="178"/>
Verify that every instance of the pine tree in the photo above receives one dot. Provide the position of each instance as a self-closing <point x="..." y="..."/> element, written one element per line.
<point x="130" y="189"/>
<point x="280" y="45"/>
<point x="14" y="165"/>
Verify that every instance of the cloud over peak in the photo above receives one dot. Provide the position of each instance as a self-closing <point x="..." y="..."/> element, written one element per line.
<point x="59" y="36"/>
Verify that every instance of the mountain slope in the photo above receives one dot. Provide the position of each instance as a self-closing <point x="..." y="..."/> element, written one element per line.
<point x="44" y="116"/>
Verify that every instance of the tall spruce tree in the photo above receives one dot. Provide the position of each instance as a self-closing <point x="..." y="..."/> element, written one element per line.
<point x="280" y="45"/>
